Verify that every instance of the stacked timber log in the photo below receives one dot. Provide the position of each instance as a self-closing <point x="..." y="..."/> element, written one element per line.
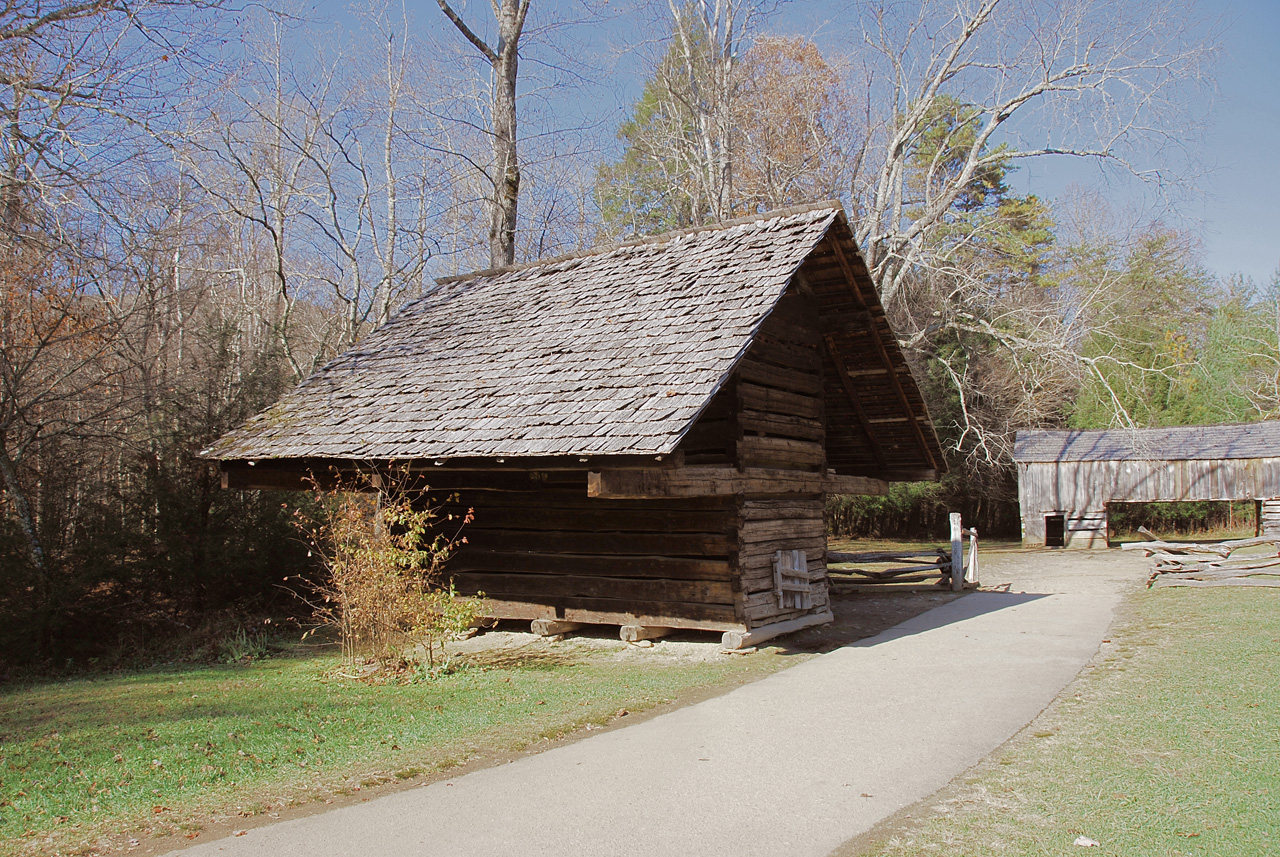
<point x="1213" y="564"/>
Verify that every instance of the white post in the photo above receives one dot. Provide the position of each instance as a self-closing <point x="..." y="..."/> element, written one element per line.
<point x="957" y="553"/>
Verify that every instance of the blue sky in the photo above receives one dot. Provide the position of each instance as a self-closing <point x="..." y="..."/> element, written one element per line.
<point x="1236" y="206"/>
<point x="1241" y="212"/>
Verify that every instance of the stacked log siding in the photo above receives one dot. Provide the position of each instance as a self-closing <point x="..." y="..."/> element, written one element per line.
<point x="639" y="431"/>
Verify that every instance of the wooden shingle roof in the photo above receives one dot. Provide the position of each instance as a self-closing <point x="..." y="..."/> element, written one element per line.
<point x="1181" y="443"/>
<point x="613" y="352"/>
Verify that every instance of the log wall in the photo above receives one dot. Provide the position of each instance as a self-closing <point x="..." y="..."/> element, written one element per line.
<point x="769" y="525"/>
<point x="539" y="548"/>
<point x="779" y="414"/>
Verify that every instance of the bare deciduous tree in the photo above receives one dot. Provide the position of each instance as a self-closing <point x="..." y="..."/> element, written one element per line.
<point x="1108" y="82"/>
<point x="503" y="173"/>
<point x="86" y="90"/>
<point x="326" y="164"/>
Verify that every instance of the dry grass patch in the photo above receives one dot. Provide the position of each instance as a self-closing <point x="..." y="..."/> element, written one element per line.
<point x="1168" y="744"/>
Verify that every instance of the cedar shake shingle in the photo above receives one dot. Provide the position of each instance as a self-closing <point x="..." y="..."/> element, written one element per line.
<point x="612" y="352"/>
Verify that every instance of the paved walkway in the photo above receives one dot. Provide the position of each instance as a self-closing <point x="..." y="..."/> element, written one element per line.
<point x="795" y="764"/>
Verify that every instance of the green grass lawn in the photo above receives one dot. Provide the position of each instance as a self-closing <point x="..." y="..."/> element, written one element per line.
<point x="88" y="763"/>
<point x="1168" y="745"/>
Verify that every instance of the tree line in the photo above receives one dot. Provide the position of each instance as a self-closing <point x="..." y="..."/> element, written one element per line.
<point x="200" y="203"/>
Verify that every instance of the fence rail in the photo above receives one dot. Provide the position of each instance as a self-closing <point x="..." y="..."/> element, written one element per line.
<point x="909" y="570"/>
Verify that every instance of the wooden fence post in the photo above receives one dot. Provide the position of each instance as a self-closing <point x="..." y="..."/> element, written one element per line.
<point x="957" y="553"/>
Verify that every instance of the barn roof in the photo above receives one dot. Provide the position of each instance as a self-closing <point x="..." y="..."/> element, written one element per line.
<point x="1181" y="443"/>
<point x="610" y="352"/>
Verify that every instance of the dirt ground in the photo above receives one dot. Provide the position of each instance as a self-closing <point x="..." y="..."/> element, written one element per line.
<point x="857" y="616"/>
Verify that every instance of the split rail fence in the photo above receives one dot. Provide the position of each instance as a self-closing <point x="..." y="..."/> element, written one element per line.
<point x="907" y="570"/>
<point x="1229" y="563"/>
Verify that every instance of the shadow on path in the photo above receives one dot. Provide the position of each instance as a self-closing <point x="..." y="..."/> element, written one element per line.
<point x="864" y="620"/>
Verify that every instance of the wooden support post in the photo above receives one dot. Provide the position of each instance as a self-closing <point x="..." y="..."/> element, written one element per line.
<point x="957" y="553"/>
<point x="636" y="633"/>
<point x="551" y="627"/>
<point x="744" y="639"/>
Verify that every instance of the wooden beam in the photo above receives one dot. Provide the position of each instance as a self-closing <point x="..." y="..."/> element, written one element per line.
<point x="551" y="627"/>
<point x="716" y="481"/>
<point x="636" y="633"/>
<point x="241" y="475"/>
<point x="742" y="639"/>
<point x="716" y="618"/>
<point x="854" y="399"/>
<point x="884" y="353"/>
<point x="300" y="474"/>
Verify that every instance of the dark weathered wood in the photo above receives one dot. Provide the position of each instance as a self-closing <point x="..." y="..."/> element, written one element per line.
<point x="769" y="530"/>
<point x="757" y="398"/>
<point x="762" y="422"/>
<point x="616" y="611"/>
<point x="605" y="544"/>
<point x="887" y="582"/>
<point x="890" y="574"/>
<point x="515" y="585"/>
<point x="879" y="556"/>
<point x="684" y="568"/>
<point x="709" y="481"/>
<point x="515" y="609"/>
<point x="756" y="451"/>
<point x="882" y="352"/>
<point x="608" y="520"/>
<point x="788" y="379"/>
<point x="771" y="349"/>
<point x="855" y="400"/>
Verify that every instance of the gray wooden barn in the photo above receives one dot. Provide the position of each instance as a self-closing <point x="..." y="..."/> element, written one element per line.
<point x="646" y="432"/>
<point x="1067" y="478"/>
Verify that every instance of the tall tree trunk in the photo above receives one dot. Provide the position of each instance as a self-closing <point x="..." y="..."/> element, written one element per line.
<point x="504" y="172"/>
<point x="506" y="164"/>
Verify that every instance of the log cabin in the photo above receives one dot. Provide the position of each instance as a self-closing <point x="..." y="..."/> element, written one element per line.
<point x="1066" y="479"/>
<point x="646" y="432"/>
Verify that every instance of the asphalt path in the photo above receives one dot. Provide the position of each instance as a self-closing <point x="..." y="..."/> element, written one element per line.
<point x="795" y="764"/>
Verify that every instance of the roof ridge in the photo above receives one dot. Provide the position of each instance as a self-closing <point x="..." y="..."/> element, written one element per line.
<point x="600" y="250"/>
